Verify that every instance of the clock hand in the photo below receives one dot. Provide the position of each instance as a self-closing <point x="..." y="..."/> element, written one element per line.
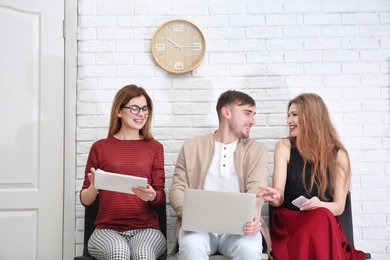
<point x="191" y="46"/>
<point x="174" y="43"/>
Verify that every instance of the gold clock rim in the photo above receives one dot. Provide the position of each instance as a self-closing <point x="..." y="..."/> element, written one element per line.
<point x="174" y="71"/>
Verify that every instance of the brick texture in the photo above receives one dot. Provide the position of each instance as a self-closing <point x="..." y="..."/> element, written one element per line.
<point x="272" y="50"/>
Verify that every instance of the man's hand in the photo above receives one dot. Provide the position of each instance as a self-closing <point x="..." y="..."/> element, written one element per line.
<point x="252" y="228"/>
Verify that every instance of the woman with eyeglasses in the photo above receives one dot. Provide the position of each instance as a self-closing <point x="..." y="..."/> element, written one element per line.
<point x="127" y="225"/>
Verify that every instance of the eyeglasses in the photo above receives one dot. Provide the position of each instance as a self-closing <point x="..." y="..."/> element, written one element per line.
<point x="136" y="109"/>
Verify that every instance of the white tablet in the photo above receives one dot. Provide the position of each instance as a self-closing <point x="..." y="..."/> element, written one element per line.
<point x="117" y="182"/>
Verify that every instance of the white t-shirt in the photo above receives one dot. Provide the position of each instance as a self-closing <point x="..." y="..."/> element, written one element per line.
<point x="222" y="175"/>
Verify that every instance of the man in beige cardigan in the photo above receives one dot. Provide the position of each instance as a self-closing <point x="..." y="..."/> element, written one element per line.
<point x="226" y="160"/>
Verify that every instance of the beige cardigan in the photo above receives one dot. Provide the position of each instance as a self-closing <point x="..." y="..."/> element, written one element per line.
<point x="193" y="162"/>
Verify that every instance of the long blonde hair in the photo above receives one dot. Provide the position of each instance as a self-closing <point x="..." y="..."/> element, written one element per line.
<point x="122" y="97"/>
<point x="317" y="142"/>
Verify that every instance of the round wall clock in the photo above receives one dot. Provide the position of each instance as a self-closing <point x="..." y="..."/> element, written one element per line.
<point x="178" y="46"/>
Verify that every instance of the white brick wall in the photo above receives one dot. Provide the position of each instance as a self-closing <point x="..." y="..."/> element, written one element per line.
<point x="272" y="50"/>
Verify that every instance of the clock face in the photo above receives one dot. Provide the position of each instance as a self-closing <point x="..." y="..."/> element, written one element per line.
<point x="178" y="46"/>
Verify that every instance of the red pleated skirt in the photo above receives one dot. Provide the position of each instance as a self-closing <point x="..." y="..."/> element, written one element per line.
<point x="310" y="235"/>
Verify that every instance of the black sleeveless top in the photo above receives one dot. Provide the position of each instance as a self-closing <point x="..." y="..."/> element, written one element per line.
<point x="294" y="183"/>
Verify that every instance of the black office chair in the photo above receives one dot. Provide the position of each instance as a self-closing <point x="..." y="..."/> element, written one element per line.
<point x="89" y="226"/>
<point x="345" y="220"/>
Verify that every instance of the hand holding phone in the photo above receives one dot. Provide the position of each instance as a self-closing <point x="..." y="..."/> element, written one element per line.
<point x="298" y="201"/>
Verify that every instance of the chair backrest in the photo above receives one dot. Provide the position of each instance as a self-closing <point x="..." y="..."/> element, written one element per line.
<point x="345" y="219"/>
<point x="89" y="223"/>
<point x="90" y="215"/>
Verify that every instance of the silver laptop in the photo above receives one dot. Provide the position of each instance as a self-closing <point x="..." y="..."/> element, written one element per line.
<point x="216" y="211"/>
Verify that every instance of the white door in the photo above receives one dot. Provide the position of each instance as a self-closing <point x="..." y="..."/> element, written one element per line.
<point x="31" y="129"/>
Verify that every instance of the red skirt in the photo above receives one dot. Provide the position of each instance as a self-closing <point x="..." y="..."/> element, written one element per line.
<point x="312" y="235"/>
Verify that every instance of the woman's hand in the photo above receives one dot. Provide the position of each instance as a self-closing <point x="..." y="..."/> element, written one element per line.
<point x="91" y="178"/>
<point x="88" y="196"/>
<point x="311" y="204"/>
<point x="270" y="194"/>
<point x="145" y="194"/>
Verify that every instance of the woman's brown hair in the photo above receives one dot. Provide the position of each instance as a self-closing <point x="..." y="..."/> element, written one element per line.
<point x="316" y="142"/>
<point x="122" y="97"/>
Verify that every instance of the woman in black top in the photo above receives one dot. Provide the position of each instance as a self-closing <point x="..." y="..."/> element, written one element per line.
<point x="312" y="162"/>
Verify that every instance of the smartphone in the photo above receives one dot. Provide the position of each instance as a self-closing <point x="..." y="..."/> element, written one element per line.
<point x="298" y="201"/>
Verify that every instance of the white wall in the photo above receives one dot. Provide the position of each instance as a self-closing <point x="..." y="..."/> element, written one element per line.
<point x="272" y="50"/>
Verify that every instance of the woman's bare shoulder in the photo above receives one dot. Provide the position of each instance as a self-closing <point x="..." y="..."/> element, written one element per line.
<point x="342" y="156"/>
<point x="283" y="144"/>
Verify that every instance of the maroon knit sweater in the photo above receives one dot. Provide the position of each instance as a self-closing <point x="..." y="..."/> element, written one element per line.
<point x="122" y="211"/>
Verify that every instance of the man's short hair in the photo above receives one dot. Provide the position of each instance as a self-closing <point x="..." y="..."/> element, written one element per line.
<point x="233" y="97"/>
